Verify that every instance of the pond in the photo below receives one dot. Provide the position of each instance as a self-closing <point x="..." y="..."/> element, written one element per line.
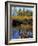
<point x="17" y="33"/>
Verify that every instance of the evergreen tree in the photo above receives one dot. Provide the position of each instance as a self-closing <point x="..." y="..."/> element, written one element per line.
<point x="19" y="13"/>
<point x="23" y="12"/>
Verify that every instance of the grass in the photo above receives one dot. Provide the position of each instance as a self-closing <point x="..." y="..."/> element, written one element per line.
<point x="21" y="17"/>
<point x="22" y="26"/>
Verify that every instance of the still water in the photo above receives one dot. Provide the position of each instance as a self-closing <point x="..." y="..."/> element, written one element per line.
<point x="19" y="33"/>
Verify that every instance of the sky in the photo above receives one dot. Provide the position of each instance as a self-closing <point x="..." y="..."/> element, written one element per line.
<point x="17" y="8"/>
<point x="26" y="8"/>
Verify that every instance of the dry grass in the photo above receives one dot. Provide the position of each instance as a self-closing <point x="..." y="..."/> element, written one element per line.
<point x="21" y="17"/>
<point x="22" y="26"/>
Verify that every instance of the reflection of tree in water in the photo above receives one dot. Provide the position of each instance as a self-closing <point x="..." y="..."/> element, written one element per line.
<point x="26" y="33"/>
<point x="19" y="31"/>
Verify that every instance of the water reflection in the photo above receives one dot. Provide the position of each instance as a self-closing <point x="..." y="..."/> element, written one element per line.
<point x="21" y="29"/>
<point x="19" y="33"/>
